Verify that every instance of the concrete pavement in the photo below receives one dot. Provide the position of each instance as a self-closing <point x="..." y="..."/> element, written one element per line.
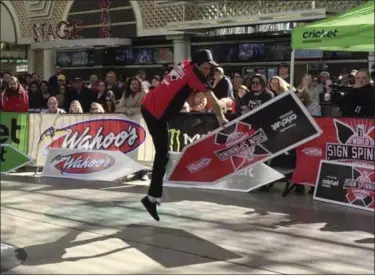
<point x="78" y="227"/>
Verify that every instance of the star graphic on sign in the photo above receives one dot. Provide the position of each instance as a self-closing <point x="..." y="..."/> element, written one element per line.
<point x="235" y="134"/>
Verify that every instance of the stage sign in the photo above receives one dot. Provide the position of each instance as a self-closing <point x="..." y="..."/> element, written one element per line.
<point x="351" y="185"/>
<point x="267" y="131"/>
<point x="101" y="165"/>
<point x="348" y="140"/>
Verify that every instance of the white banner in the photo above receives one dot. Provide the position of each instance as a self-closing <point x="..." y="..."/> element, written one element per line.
<point x="246" y="181"/>
<point x="100" y="165"/>
<point x="114" y="132"/>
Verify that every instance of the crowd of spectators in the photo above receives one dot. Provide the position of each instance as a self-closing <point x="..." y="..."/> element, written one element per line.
<point x="351" y="94"/>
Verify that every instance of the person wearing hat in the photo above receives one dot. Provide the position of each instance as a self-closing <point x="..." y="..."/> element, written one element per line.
<point x="61" y="80"/>
<point x="259" y="94"/>
<point x="79" y="93"/>
<point x="164" y="103"/>
<point x="222" y="86"/>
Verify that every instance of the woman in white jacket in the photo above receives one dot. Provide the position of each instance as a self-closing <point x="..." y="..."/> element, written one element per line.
<point x="131" y="100"/>
<point x="312" y="107"/>
<point x="307" y="85"/>
<point x="130" y="104"/>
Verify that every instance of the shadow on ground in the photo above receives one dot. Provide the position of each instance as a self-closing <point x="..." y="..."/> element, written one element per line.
<point x="300" y="209"/>
<point x="167" y="246"/>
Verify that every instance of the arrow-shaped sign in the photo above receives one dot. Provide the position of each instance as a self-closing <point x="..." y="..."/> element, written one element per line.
<point x="267" y="131"/>
<point x="12" y="159"/>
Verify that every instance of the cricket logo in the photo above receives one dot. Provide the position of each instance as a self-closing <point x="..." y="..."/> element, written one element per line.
<point x="356" y="143"/>
<point x="361" y="187"/>
<point x="242" y="145"/>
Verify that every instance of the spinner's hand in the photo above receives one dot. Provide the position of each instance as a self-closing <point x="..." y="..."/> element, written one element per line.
<point x="222" y="121"/>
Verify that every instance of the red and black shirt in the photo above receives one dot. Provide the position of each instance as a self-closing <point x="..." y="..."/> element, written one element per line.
<point x="168" y="98"/>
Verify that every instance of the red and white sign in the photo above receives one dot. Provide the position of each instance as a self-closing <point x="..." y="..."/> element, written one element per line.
<point x="71" y="132"/>
<point x="269" y="130"/>
<point x="89" y="165"/>
<point x="347" y="140"/>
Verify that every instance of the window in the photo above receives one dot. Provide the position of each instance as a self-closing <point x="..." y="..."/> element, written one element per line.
<point x="22" y="68"/>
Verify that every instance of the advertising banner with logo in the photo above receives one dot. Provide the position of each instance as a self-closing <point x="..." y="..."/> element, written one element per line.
<point x="114" y="132"/>
<point x="100" y="165"/>
<point x="346" y="184"/>
<point x="12" y="159"/>
<point x="343" y="139"/>
<point x="245" y="181"/>
<point x="14" y="129"/>
<point x="267" y="131"/>
<point x="188" y="128"/>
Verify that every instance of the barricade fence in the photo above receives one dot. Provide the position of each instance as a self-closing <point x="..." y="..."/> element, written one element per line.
<point x="343" y="139"/>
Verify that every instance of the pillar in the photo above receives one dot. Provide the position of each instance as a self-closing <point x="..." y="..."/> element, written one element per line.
<point x="181" y="48"/>
<point x="49" y="57"/>
<point x="30" y="60"/>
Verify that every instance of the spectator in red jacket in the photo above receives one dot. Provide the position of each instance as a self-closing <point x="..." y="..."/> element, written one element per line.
<point x="15" y="97"/>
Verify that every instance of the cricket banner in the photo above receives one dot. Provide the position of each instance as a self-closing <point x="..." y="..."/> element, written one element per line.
<point x="277" y="126"/>
<point x="14" y="130"/>
<point x="12" y="159"/>
<point x="343" y="139"/>
<point x="188" y="128"/>
<point x="90" y="132"/>
<point x="346" y="184"/>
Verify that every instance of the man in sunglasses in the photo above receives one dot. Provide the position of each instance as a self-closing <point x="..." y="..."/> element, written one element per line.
<point x="164" y="103"/>
<point x="258" y="94"/>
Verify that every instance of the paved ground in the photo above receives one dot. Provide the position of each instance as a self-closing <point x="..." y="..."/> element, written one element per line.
<point x="76" y="227"/>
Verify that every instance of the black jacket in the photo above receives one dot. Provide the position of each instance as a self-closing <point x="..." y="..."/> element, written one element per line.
<point x="360" y="102"/>
<point x="253" y="101"/>
<point x="85" y="98"/>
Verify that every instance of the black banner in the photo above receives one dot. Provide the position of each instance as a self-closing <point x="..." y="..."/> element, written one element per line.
<point x="346" y="184"/>
<point x="188" y="128"/>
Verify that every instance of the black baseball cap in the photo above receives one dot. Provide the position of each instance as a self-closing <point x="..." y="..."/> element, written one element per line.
<point x="201" y="56"/>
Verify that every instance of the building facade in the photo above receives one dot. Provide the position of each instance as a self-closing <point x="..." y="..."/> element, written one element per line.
<point x="47" y="27"/>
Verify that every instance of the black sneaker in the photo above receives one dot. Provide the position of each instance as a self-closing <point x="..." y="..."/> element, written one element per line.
<point x="150" y="207"/>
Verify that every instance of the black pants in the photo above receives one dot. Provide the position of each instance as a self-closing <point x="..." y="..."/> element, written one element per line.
<point x="158" y="130"/>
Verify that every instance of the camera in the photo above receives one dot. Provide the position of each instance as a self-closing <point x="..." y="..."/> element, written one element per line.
<point x="342" y="89"/>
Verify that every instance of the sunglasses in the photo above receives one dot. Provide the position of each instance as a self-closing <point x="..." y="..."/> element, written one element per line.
<point x="255" y="82"/>
<point x="108" y="100"/>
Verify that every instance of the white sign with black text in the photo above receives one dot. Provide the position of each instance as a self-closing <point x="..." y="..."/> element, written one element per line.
<point x="101" y="165"/>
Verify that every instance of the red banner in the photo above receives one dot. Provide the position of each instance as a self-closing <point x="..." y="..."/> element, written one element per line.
<point x="276" y="127"/>
<point x="349" y="140"/>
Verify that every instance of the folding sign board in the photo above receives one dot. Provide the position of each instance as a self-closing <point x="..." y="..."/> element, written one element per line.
<point x="100" y="165"/>
<point x="347" y="184"/>
<point x="245" y="181"/>
<point x="273" y="128"/>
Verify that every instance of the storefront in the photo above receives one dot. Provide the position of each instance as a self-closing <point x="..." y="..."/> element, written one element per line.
<point x="126" y="36"/>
